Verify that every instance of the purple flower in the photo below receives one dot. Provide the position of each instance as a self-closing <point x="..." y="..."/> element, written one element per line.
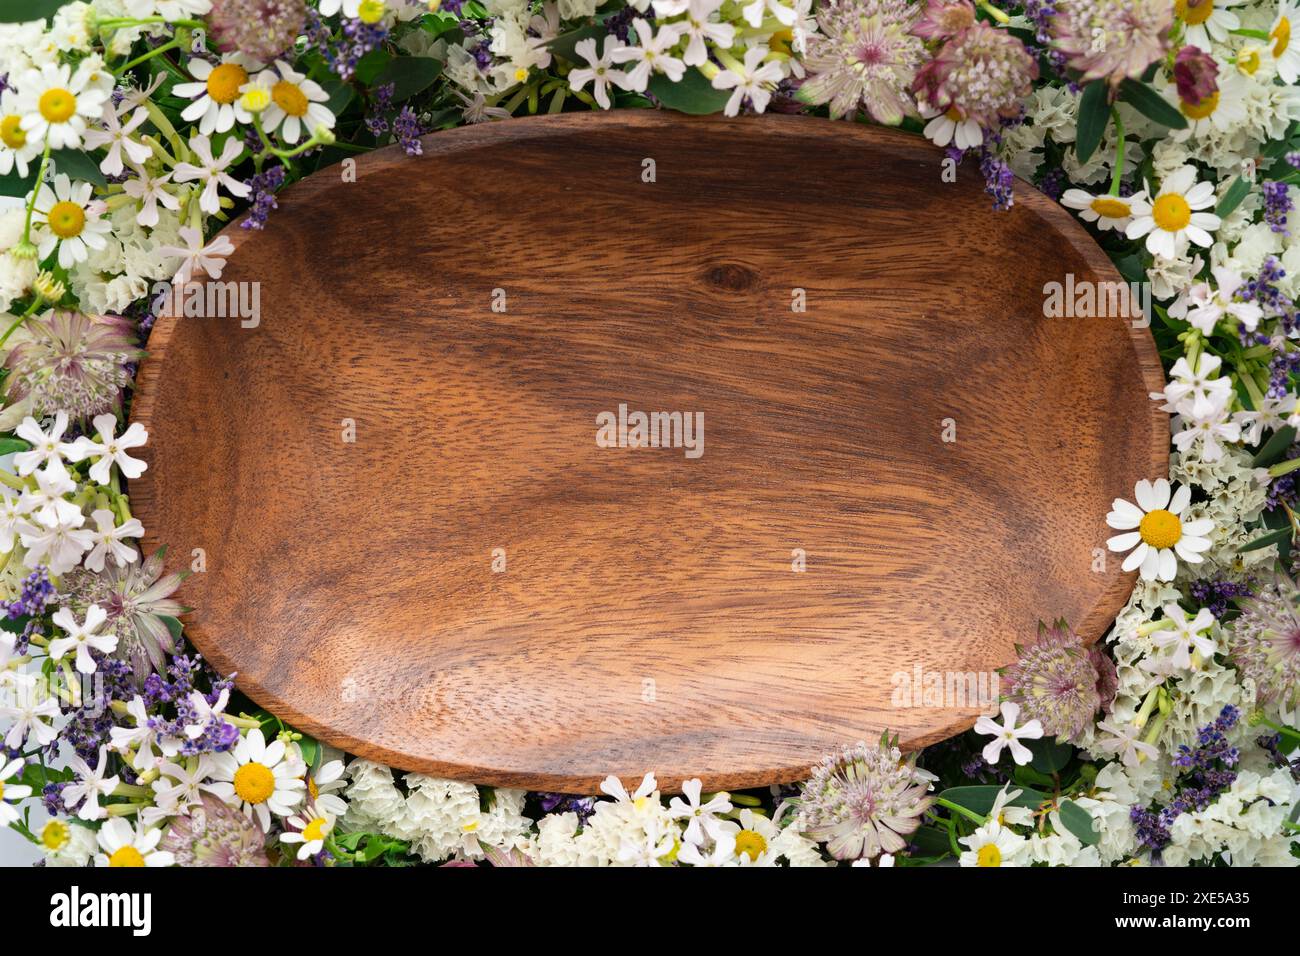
<point x="1277" y="205"/>
<point x="262" y="199"/>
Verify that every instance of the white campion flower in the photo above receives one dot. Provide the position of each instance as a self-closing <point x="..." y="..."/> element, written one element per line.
<point x="1205" y="304"/>
<point x="651" y="54"/>
<point x="109" y="449"/>
<point x="210" y="258"/>
<point x="755" y="11"/>
<point x="60" y="544"/>
<point x="1204" y="392"/>
<point x="1007" y="734"/>
<point x="45" y="502"/>
<point x="750" y="82"/>
<point x="14" y="515"/>
<point x="599" y="70"/>
<point x="117" y="137"/>
<point x="109" y="540"/>
<point x="700" y="26"/>
<point x="141" y="740"/>
<point x="150" y="190"/>
<point x="29" y="709"/>
<point x="88" y="786"/>
<point x="82" y="637"/>
<point x="1210" y="431"/>
<point x="1125" y="741"/>
<point x="211" y="172"/>
<point x="11" y="791"/>
<point x="1271" y="415"/>
<point x="698" y="813"/>
<point x="47" y="447"/>
<point x="1185" y="636"/>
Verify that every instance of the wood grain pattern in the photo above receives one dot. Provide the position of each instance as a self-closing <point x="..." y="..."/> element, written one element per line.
<point x="351" y="584"/>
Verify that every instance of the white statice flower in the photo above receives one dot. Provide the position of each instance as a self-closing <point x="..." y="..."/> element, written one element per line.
<point x="211" y="171"/>
<point x="651" y="54"/>
<point x="599" y="71"/>
<point x="751" y="82"/>
<point x="23" y="46"/>
<point x="630" y="829"/>
<point x="57" y="103"/>
<point x="438" y="817"/>
<point x="1245" y="824"/>
<point x="297" y="103"/>
<point x="216" y="92"/>
<point x="68" y="218"/>
<point x="1174" y="218"/>
<point x="374" y="802"/>
<point x="262" y="779"/>
<point x="556" y="843"/>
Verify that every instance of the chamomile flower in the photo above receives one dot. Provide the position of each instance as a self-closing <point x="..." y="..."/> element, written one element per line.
<point x="950" y="127"/>
<point x="17" y="149"/>
<point x="993" y="845"/>
<point x="216" y="94"/>
<point x="123" y="844"/>
<point x="297" y="103"/>
<point x="1206" y="20"/>
<point x="311" y="830"/>
<point x="1222" y="110"/>
<point x="68" y="218"/>
<point x="1155" y="534"/>
<point x="1172" y="219"/>
<point x="1107" y="211"/>
<point x="1286" y="54"/>
<point x="57" y="103"/>
<point x="754" y="837"/>
<point x="11" y="792"/>
<point x="323" y="786"/>
<point x="262" y="778"/>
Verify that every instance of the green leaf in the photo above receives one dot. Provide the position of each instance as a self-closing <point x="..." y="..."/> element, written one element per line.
<point x="694" y="94"/>
<point x="310" y="748"/>
<point x="1273" y="537"/>
<point x="1275" y="448"/>
<point x="340" y="95"/>
<point x="931" y="841"/>
<point x="1151" y="104"/>
<point x="409" y="75"/>
<point x="173" y="625"/>
<point x="564" y="44"/>
<point x="371" y="65"/>
<point x="23" y="11"/>
<point x="1050" y="756"/>
<point x="77" y="165"/>
<point x="1238" y="191"/>
<point x="10" y="445"/>
<point x="1079" y="822"/>
<point x="1094" y="114"/>
<point x="979" y="798"/>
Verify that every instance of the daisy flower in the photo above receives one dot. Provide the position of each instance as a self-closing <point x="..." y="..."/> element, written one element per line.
<point x="82" y="637"/>
<point x="57" y="103"/>
<point x="117" y="138"/>
<point x="11" y="792"/>
<point x="212" y="171"/>
<point x="949" y="126"/>
<point x="754" y="837"/>
<point x="652" y="55"/>
<point x="71" y="221"/>
<point x="993" y="845"/>
<point x="310" y="831"/>
<point x="125" y="845"/>
<point x="296" y="102"/>
<point x="216" y="94"/>
<point x="262" y="778"/>
<point x="749" y="83"/>
<point x="323" y="787"/>
<point x="1108" y="212"/>
<point x="598" y="71"/>
<point x="47" y="447"/>
<point x="1285" y="53"/>
<point x="1223" y="110"/>
<point x="108" y="450"/>
<point x="1171" y="219"/>
<point x="1160" y="537"/>
<point x="1185" y="636"/>
<point x="1206" y="20"/>
<point x="1007" y="734"/>
<point x="17" y="149"/>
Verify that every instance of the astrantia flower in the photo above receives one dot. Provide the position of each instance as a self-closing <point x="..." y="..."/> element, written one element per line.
<point x="864" y="56"/>
<point x="70" y="219"/>
<point x="297" y="103"/>
<point x="56" y="103"/>
<point x="1112" y="39"/>
<point x="1171" y="220"/>
<point x="1108" y="212"/>
<point x="1161" y="537"/>
<point x="263" y="779"/>
<point x="136" y="598"/>
<point x="944" y="18"/>
<point x="126" y="845"/>
<point x="216" y="94"/>
<point x="1060" y="682"/>
<point x="982" y="73"/>
<point x="864" y="801"/>
<point x="262" y="29"/>
<point x="214" y="834"/>
<point x="1265" y="642"/>
<point x="72" y="362"/>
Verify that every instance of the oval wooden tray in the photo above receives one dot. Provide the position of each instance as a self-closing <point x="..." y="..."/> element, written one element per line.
<point x="648" y="617"/>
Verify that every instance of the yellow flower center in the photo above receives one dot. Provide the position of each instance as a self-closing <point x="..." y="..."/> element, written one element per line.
<point x="11" y="133"/>
<point x="254" y="783"/>
<point x="1248" y="60"/>
<point x="57" y="105"/>
<point x="989" y="855"/>
<point x="750" y="844"/>
<point x="1202" y="109"/>
<point x="1110" y="207"/>
<point x="66" y="219"/>
<point x="55" y="835"/>
<point x="1160" y="528"/>
<point x="313" y="791"/>
<point x="314" y="830"/>
<point x="255" y="99"/>
<point x="1194" y="12"/>
<point x="224" y="82"/>
<point x="1171" y="212"/>
<point x="127" y="856"/>
<point x="289" y="98"/>
<point x="520" y="75"/>
<point x="370" y="11"/>
<point x="781" y="40"/>
<point x="1281" y="36"/>
<point x="2" y="790"/>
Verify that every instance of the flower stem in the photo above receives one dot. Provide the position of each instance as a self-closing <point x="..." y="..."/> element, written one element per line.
<point x="1119" y="151"/>
<point x="956" y="808"/>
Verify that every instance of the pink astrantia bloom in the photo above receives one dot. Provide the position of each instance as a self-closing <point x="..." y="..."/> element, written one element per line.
<point x="1112" y="40"/>
<point x="944" y="18"/>
<point x="981" y="75"/>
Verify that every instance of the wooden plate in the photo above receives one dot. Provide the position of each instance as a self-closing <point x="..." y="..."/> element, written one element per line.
<point x="649" y="616"/>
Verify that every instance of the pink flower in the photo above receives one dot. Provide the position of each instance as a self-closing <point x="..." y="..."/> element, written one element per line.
<point x="983" y="73"/>
<point x="944" y="18"/>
